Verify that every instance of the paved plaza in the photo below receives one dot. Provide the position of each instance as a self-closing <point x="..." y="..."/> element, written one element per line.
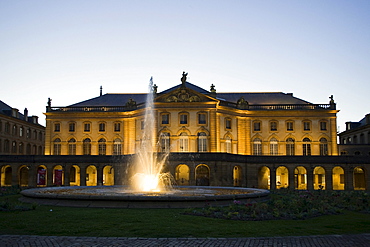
<point x="357" y="240"/>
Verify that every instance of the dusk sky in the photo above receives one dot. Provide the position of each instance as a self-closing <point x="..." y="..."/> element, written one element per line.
<point x="66" y="50"/>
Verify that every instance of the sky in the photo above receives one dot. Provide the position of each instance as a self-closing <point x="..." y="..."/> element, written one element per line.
<point x="67" y="49"/>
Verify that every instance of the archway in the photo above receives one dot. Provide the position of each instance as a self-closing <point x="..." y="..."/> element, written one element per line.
<point x="182" y="174"/>
<point x="359" y="182"/>
<point x="202" y="175"/>
<point x="300" y="178"/>
<point x="6" y="175"/>
<point x="91" y="176"/>
<point x="23" y="176"/>
<point x="282" y="177"/>
<point x="264" y="178"/>
<point x="58" y="175"/>
<point x="41" y="175"/>
<point x="108" y="175"/>
<point x="74" y="176"/>
<point x="237" y="176"/>
<point x="319" y="178"/>
<point x="338" y="178"/>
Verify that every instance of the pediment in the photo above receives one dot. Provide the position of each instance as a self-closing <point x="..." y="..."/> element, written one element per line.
<point x="183" y="94"/>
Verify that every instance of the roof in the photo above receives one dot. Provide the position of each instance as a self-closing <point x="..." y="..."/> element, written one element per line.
<point x="264" y="98"/>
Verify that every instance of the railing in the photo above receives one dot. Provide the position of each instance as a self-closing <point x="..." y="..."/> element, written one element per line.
<point x="95" y="108"/>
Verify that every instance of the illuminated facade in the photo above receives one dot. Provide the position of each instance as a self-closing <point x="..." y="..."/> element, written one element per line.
<point x="192" y="119"/>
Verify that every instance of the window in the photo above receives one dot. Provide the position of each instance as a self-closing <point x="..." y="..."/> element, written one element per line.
<point x="273" y="126"/>
<point x="40" y="136"/>
<point x="354" y="139"/>
<point x="306" y="146"/>
<point x="273" y="146"/>
<point x="117" y="127"/>
<point x="21" y="131"/>
<point x="306" y="126"/>
<point x="202" y="142"/>
<point x="72" y="127"/>
<point x="290" y="126"/>
<point x="102" y="146"/>
<point x="72" y="147"/>
<point x="323" y="125"/>
<point x="14" y="130"/>
<point x="86" y="146"/>
<point x="202" y="118"/>
<point x="183" y="118"/>
<point x="101" y="127"/>
<point x="228" y="123"/>
<point x="14" y="147"/>
<point x="86" y="127"/>
<point x="362" y="139"/>
<point x="1" y="126"/>
<point x="7" y="128"/>
<point x="257" y="126"/>
<point x="28" y="133"/>
<point x="165" y="142"/>
<point x="57" y="147"/>
<point x="35" y="134"/>
<point x="21" y="148"/>
<point x="290" y="150"/>
<point x="228" y="144"/>
<point x="117" y="147"/>
<point x="184" y="142"/>
<point x="323" y="146"/>
<point x="57" y="127"/>
<point x="165" y="118"/>
<point x="257" y="146"/>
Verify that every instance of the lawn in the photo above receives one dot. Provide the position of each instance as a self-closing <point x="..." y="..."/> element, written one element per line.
<point x="64" y="221"/>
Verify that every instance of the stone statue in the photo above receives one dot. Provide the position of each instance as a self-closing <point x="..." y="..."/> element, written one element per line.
<point x="331" y="99"/>
<point x="183" y="78"/>
<point x="242" y="103"/>
<point x="49" y="102"/>
<point x="155" y="87"/>
<point x="213" y="90"/>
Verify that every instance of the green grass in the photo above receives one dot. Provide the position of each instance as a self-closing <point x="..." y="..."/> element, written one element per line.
<point x="64" y="221"/>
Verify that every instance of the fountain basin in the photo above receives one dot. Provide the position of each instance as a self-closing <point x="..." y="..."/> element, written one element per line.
<point x="122" y="197"/>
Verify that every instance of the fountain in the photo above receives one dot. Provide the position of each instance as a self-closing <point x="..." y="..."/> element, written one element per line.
<point x="149" y="186"/>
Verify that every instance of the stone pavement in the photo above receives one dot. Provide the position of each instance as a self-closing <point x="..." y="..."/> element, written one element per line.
<point x="356" y="240"/>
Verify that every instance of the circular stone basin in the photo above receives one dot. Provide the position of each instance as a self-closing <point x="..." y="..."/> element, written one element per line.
<point x="122" y="197"/>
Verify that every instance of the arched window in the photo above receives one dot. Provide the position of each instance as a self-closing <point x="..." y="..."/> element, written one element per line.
<point x="257" y="146"/>
<point x="273" y="146"/>
<point x="86" y="146"/>
<point x="228" y="144"/>
<point x="117" y="147"/>
<point x="306" y="146"/>
<point x="14" y="147"/>
<point x="323" y="146"/>
<point x="57" y="147"/>
<point x="21" y="148"/>
<point x="202" y="142"/>
<point x="72" y="146"/>
<point x="102" y="146"/>
<point x="165" y="142"/>
<point x="184" y="142"/>
<point x="290" y="150"/>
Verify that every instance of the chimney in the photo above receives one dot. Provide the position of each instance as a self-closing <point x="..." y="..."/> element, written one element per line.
<point x="15" y="112"/>
<point x="25" y="114"/>
<point x="367" y="118"/>
<point x="101" y="90"/>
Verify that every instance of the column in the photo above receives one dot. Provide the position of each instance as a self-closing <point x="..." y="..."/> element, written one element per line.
<point x="329" y="178"/>
<point x="15" y="178"/>
<point x="291" y="177"/>
<point x="348" y="178"/>
<point x="248" y="136"/>
<point x="272" y="178"/>
<point x="99" y="175"/>
<point x="49" y="176"/>
<point x="333" y="133"/>
<point x="67" y="170"/>
<point x="83" y="175"/>
<point x="309" y="178"/>
<point x="32" y="175"/>
<point x="213" y="131"/>
<point x="241" y="135"/>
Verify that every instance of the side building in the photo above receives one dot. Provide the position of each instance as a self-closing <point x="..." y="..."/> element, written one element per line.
<point x="20" y="134"/>
<point x="355" y="140"/>
<point x="192" y="119"/>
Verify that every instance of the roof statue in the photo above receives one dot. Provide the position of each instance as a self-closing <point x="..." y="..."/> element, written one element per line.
<point x="183" y="78"/>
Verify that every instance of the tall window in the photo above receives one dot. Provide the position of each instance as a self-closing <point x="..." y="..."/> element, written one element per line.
<point x="184" y="142"/>
<point x="273" y="146"/>
<point x="21" y="148"/>
<point x="290" y="150"/>
<point x="117" y="127"/>
<point x="72" y="146"/>
<point x="228" y="144"/>
<point x="202" y="142"/>
<point x="323" y="146"/>
<point x="57" y="147"/>
<point x="6" y="146"/>
<point x="183" y="118"/>
<point x="101" y="127"/>
<point x="228" y="123"/>
<point x="290" y="126"/>
<point x="257" y="146"/>
<point x="28" y="133"/>
<point x="306" y="146"/>
<point x="7" y="128"/>
<point x="165" y="142"/>
<point x="72" y="127"/>
<point x="165" y="118"/>
<point x="21" y="131"/>
<point x="323" y="125"/>
<point x="86" y="146"/>
<point x="57" y="127"/>
<point x="117" y="147"/>
<point x="14" y="147"/>
<point x="102" y="146"/>
<point x="306" y="125"/>
<point x="202" y="118"/>
<point x="14" y="130"/>
<point x="257" y="126"/>
<point x="86" y="127"/>
<point x="273" y="125"/>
